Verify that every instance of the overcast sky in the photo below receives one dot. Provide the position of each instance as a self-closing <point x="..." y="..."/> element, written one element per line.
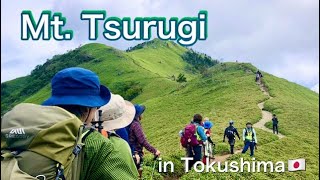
<point x="280" y="37"/>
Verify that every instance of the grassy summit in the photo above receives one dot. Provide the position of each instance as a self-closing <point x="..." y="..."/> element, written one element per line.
<point x="144" y="74"/>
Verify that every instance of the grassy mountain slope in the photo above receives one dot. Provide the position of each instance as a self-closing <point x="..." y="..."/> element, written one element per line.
<point x="298" y="111"/>
<point x="228" y="91"/>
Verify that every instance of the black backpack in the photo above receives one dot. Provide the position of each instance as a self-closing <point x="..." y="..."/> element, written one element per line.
<point x="230" y="132"/>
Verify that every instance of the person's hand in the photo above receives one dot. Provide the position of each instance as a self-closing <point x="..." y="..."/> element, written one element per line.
<point x="239" y="138"/>
<point x="137" y="157"/>
<point x="157" y="153"/>
<point x="223" y="141"/>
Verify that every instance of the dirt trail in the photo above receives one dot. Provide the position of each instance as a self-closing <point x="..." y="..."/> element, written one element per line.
<point x="266" y="117"/>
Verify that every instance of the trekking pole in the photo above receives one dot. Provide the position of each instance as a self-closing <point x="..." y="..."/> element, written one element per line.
<point x="154" y="165"/>
<point x="100" y="127"/>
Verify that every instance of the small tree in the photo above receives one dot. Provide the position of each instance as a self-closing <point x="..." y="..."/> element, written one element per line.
<point x="181" y="78"/>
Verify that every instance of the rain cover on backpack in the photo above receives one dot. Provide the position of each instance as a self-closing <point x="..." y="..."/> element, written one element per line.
<point x="37" y="142"/>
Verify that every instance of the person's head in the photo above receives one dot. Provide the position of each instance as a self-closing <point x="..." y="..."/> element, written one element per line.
<point x="231" y="122"/>
<point x="197" y="118"/>
<point x="207" y="124"/>
<point x="274" y="115"/>
<point x="139" y="111"/>
<point x="249" y="125"/>
<point x="118" y="113"/>
<point x="78" y="91"/>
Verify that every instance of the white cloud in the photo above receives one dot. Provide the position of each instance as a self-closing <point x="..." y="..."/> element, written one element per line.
<point x="315" y="88"/>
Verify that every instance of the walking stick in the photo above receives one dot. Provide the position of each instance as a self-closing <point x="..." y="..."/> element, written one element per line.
<point x="99" y="122"/>
<point x="154" y="165"/>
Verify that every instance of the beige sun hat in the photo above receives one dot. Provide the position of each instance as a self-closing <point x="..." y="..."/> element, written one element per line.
<point x="118" y="113"/>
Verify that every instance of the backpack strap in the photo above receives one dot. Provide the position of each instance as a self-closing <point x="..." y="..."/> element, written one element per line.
<point x="77" y="163"/>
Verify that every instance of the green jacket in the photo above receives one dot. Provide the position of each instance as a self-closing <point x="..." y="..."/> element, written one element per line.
<point x="107" y="159"/>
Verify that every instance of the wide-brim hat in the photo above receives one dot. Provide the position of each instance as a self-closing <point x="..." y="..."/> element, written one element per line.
<point x="77" y="86"/>
<point x="139" y="109"/>
<point x="118" y="113"/>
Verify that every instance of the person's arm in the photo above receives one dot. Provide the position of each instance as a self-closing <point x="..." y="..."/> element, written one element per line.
<point x="201" y="133"/>
<point x="137" y="129"/>
<point x="255" y="136"/>
<point x="235" y="129"/>
<point x="210" y="140"/>
<point x="224" y="136"/>
<point x="108" y="159"/>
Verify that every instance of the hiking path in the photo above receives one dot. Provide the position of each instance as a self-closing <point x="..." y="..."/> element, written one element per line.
<point x="266" y="117"/>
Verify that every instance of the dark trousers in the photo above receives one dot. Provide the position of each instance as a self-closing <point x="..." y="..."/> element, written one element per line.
<point x="196" y="153"/>
<point x="232" y="142"/>
<point x="275" y="129"/>
<point x="246" y="147"/>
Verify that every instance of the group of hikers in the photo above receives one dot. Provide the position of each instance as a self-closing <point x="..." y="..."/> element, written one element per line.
<point x="195" y="138"/>
<point x="83" y="131"/>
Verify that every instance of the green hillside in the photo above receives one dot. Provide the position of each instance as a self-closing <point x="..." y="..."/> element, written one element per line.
<point x="226" y="91"/>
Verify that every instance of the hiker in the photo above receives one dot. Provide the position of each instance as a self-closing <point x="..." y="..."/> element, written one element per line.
<point x="193" y="137"/>
<point x="275" y="124"/>
<point x="249" y="138"/>
<point x="116" y="115"/>
<point x="138" y="141"/>
<point x="230" y="132"/>
<point x="258" y="76"/>
<point x="208" y="145"/>
<point x="51" y="130"/>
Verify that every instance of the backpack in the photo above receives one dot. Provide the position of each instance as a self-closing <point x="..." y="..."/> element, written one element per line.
<point x="41" y="142"/>
<point x="230" y="133"/>
<point x="189" y="137"/>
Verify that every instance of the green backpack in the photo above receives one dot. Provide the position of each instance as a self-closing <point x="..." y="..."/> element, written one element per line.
<point x="41" y="142"/>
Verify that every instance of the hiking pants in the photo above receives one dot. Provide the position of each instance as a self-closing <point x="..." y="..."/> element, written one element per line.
<point x="232" y="142"/>
<point x="275" y="128"/>
<point x="196" y="153"/>
<point x="246" y="147"/>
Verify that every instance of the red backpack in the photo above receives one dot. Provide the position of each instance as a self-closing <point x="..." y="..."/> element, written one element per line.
<point x="189" y="137"/>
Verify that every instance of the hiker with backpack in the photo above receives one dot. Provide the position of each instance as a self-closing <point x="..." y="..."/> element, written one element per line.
<point x="258" y="76"/>
<point x="208" y="145"/>
<point x="116" y="115"/>
<point x="231" y="132"/>
<point x="192" y="138"/>
<point x="138" y="140"/>
<point x="275" y="124"/>
<point x="55" y="141"/>
<point x="249" y="138"/>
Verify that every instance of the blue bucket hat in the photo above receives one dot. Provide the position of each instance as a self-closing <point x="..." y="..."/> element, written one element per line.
<point x="139" y="109"/>
<point x="207" y="124"/>
<point x="77" y="86"/>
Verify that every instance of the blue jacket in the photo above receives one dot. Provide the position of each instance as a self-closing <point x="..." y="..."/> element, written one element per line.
<point x="200" y="131"/>
<point x="123" y="134"/>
